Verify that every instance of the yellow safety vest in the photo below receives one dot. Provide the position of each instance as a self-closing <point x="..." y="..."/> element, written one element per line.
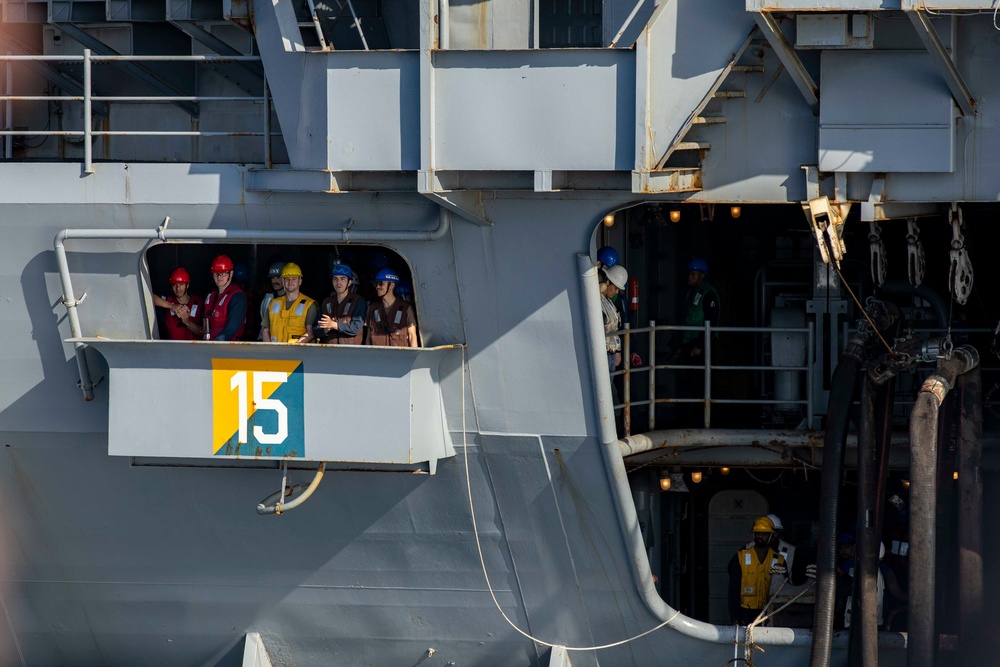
<point x="288" y="324"/>
<point x="756" y="577"/>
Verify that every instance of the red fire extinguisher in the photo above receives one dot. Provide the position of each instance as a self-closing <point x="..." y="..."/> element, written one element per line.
<point x="633" y="294"/>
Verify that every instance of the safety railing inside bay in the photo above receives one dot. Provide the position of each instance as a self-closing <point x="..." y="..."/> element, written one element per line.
<point x="701" y="392"/>
<point x="88" y="99"/>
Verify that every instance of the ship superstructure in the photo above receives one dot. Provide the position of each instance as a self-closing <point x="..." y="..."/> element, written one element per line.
<point x="832" y="162"/>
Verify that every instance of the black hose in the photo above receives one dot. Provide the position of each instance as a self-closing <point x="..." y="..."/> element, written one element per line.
<point x="842" y="390"/>
<point x="864" y="619"/>
<point x="970" y="514"/>
<point x="922" y="644"/>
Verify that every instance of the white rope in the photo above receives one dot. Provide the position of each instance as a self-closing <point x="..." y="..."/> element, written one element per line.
<point x="482" y="559"/>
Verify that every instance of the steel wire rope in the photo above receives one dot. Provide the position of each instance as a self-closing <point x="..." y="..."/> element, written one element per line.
<point x="482" y="559"/>
<point x="832" y="264"/>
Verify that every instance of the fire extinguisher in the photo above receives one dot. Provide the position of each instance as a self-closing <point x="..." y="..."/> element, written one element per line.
<point x="633" y="294"/>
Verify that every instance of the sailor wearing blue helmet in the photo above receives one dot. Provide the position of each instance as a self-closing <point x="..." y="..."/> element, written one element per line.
<point x="391" y="320"/>
<point x="607" y="257"/>
<point x="342" y="314"/>
<point x="700" y="305"/>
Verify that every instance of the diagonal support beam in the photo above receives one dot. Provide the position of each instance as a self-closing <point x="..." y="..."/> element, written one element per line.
<point x="786" y="54"/>
<point x="207" y="39"/>
<point x="136" y="69"/>
<point x="942" y="60"/>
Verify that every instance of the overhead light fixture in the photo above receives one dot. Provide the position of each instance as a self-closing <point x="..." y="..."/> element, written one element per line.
<point x="954" y="475"/>
<point x="665" y="481"/>
<point x="696" y="476"/>
<point x="906" y="483"/>
<point x="735" y="211"/>
<point x="609" y="220"/>
<point x="675" y="215"/>
<point x="724" y="471"/>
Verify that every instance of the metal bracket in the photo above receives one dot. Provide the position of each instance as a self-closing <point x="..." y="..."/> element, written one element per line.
<point x="916" y="261"/>
<point x="960" y="277"/>
<point x="786" y="54"/>
<point x="942" y="60"/>
<point x="827" y="220"/>
<point x="465" y="203"/>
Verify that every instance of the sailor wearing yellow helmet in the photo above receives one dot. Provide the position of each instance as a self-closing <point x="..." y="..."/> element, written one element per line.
<point x="290" y="319"/>
<point x="750" y="573"/>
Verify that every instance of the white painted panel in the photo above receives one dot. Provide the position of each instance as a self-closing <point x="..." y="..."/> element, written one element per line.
<point x="568" y="109"/>
<point x="884" y="112"/>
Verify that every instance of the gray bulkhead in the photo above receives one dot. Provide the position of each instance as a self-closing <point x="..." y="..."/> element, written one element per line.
<point x="110" y="563"/>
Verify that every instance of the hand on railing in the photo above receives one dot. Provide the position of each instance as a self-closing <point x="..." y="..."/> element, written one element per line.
<point x="635" y="360"/>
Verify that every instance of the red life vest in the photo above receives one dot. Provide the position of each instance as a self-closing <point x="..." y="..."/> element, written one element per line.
<point x="175" y="328"/>
<point x="217" y="311"/>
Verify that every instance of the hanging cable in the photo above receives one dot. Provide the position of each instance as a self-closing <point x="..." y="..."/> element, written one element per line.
<point x="482" y="559"/>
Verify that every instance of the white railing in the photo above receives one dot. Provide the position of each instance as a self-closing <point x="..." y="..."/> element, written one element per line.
<point x="711" y="371"/>
<point x="88" y="98"/>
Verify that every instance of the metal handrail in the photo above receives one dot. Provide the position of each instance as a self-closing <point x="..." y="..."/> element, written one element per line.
<point x="88" y="98"/>
<point x="707" y="367"/>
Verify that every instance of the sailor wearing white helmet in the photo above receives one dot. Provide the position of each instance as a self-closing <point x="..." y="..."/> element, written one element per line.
<point x="617" y="278"/>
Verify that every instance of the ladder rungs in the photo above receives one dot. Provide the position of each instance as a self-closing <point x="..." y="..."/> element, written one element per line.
<point x="692" y="146"/>
<point x="708" y="120"/>
<point x="729" y="94"/>
<point x="748" y="68"/>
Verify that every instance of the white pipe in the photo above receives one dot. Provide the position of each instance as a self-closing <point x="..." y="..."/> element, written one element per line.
<point x="444" y="25"/>
<point x="163" y="234"/>
<point x="88" y="125"/>
<point x="622" y="495"/>
<point x="264" y="508"/>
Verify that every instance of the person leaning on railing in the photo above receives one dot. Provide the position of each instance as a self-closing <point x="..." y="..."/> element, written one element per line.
<point x="342" y="314"/>
<point x="391" y="321"/>
<point x="290" y="319"/>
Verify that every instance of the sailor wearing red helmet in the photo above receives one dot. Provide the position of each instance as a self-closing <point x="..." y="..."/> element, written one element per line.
<point x="184" y="310"/>
<point x="225" y="306"/>
<point x="390" y="320"/>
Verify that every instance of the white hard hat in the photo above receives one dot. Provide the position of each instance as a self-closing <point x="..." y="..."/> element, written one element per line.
<point x="776" y="521"/>
<point x="617" y="275"/>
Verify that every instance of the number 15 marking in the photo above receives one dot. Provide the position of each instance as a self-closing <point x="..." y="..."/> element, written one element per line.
<point x="260" y="378"/>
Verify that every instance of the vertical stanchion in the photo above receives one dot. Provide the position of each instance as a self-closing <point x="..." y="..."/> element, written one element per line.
<point x="707" y="358"/>
<point x="88" y="146"/>
<point x="267" y="125"/>
<point x="652" y="375"/>
<point x="627" y="384"/>
<point x="8" y="141"/>
<point x="536" y="16"/>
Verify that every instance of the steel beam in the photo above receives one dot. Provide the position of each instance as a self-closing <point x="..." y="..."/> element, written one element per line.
<point x="136" y="69"/>
<point x="786" y="54"/>
<point x="207" y="39"/>
<point x="942" y="60"/>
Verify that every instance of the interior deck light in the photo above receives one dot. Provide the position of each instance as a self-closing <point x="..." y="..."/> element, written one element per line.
<point x="675" y="215"/>
<point x="609" y="220"/>
<point x="665" y="481"/>
<point x="696" y="477"/>
<point x="735" y="211"/>
<point x="724" y="471"/>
